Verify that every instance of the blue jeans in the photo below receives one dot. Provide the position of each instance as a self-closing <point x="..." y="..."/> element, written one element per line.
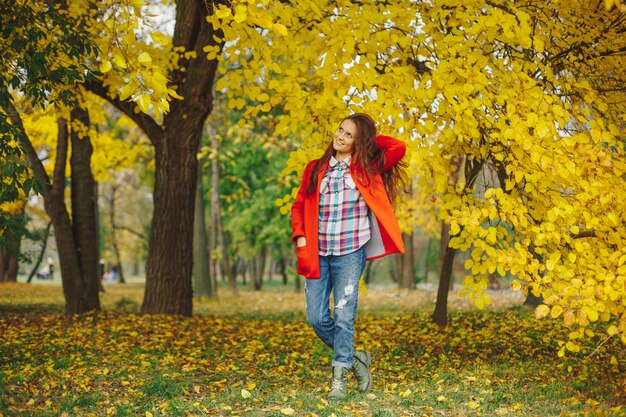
<point x="339" y="274"/>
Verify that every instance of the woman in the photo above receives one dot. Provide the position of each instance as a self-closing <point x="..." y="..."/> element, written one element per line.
<point x="342" y="216"/>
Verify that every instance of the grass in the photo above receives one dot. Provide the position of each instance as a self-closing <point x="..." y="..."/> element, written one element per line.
<point x="254" y="355"/>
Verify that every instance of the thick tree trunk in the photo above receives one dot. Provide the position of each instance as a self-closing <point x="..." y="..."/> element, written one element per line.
<point x="169" y="266"/>
<point x="84" y="223"/>
<point x="201" y="256"/>
<point x="407" y="280"/>
<point x="78" y="297"/>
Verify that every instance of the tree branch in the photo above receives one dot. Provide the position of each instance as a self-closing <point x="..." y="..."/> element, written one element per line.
<point x="583" y="234"/>
<point x="31" y="154"/>
<point x="131" y="231"/>
<point x="145" y="122"/>
<point x="57" y="189"/>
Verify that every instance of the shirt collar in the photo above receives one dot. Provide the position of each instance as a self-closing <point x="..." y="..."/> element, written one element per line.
<point x="333" y="161"/>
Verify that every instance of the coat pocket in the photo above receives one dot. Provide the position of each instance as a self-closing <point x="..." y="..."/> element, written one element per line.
<point x="304" y="264"/>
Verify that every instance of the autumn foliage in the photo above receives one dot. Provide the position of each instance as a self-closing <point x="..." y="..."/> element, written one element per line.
<point x="522" y="103"/>
<point x="255" y="355"/>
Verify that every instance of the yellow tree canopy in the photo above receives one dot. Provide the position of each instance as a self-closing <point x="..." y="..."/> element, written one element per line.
<point x="530" y="97"/>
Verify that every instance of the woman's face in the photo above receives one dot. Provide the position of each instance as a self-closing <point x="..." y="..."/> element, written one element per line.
<point x="343" y="142"/>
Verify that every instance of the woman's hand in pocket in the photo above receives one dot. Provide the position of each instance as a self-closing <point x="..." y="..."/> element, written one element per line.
<point x="301" y="241"/>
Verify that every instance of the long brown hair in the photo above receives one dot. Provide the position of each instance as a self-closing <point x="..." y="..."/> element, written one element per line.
<point x="367" y="159"/>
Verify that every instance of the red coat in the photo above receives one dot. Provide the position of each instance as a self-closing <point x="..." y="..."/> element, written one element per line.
<point x="386" y="236"/>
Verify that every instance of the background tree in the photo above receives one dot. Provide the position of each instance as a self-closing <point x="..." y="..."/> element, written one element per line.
<point x="42" y="51"/>
<point x="184" y="69"/>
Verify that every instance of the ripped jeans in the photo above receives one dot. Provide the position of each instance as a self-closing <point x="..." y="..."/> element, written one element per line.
<point x="339" y="274"/>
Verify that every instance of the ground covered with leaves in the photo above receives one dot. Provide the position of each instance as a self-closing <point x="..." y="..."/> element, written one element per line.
<point x="254" y="355"/>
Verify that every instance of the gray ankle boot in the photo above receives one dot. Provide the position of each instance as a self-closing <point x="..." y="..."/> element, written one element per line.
<point x="339" y="388"/>
<point x="361" y="366"/>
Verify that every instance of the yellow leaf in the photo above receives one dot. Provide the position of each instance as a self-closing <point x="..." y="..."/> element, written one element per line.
<point x="105" y="66"/>
<point x="119" y="60"/>
<point x="516" y="285"/>
<point x="362" y="286"/>
<point x="149" y="414"/>
<point x="241" y="13"/>
<point x="287" y="411"/>
<point x="144" y="57"/>
<point x="542" y="311"/>
<point x="556" y="311"/>
<point x="127" y="91"/>
<point x="245" y="393"/>
<point x="160" y="38"/>
<point x="251" y="386"/>
<point x="174" y="94"/>
<point x="613" y="360"/>
<point x="144" y="103"/>
<point x="280" y="29"/>
<point x="406" y="393"/>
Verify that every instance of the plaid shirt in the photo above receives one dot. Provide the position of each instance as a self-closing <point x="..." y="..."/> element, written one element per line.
<point x="343" y="225"/>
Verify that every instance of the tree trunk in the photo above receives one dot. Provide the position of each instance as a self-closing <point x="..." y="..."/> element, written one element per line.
<point x="429" y="246"/>
<point x="9" y="252"/>
<point x="282" y="266"/>
<point x="443" y="245"/>
<point x="84" y="208"/>
<point x="41" y="254"/>
<point x="77" y="288"/>
<point x="78" y="297"/>
<point x="257" y="267"/>
<point x="407" y="279"/>
<point x="201" y="256"/>
<point x="395" y="267"/>
<point x="440" y="316"/>
<point x="169" y="266"/>
<point x="368" y="272"/>
<point x="99" y="240"/>
<point x="116" y="248"/>
<point x="8" y="266"/>
<point x="216" y="218"/>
